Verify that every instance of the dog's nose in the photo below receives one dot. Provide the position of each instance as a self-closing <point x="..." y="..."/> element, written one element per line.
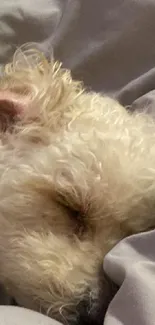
<point x="92" y="312"/>
<point x="90" y="315"/>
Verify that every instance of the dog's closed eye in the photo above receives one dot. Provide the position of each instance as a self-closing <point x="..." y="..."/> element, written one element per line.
<point x="77" y="213"/>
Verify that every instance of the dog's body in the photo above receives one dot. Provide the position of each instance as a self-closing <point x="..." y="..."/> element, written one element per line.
<point x="77" y="175"/>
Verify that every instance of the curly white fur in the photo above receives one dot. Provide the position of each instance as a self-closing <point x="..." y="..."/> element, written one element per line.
<point x="77" y="174"/>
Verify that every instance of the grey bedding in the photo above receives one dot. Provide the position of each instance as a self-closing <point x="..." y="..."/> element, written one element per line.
<point x="110" y="45"/>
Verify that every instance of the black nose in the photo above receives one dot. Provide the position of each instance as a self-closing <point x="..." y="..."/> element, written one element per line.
<point x="93" y="312"/>
<point x="86" y="316"/>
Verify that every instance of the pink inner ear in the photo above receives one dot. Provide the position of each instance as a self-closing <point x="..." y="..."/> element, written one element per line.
<point x="12" y="102"/>
<point x="12" y="106"/>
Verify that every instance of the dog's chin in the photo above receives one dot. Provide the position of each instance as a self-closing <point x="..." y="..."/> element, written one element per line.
<point x="92" y="311"/>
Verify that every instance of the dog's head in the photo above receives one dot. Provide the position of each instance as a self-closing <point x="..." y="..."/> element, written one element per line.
<point x="50" y="252"/>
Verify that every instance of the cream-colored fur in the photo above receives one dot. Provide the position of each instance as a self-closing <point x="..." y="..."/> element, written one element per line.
<point x="77" y="174"/>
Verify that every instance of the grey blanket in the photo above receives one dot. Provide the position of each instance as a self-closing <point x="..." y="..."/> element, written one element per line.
<point x="110" y="45"/>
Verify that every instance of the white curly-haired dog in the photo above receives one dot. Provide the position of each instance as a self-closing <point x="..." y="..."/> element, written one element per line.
<point x="77" y="174"/>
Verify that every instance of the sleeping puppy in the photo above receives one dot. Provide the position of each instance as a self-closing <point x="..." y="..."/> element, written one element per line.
<point x="77" y="174"/>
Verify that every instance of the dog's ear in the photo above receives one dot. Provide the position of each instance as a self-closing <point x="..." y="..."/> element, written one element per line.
<point x="12" y="107"/>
